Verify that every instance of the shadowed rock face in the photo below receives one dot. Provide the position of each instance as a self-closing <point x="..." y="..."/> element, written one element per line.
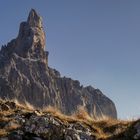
<point x="25" y="75"/>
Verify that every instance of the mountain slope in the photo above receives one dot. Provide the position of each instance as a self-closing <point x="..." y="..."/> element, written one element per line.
<point x="26" y="76"/>
<point x="22" y="122"/>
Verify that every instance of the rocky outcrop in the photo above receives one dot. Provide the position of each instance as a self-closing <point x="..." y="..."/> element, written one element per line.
<point x="26" y="76"/>
<point x="18" y="122"/>
<point x="24" y="124"/>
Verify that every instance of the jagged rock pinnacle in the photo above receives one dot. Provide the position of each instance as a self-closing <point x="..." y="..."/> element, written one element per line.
<point x="34" y="19"/>
<point x="31" y="39"/>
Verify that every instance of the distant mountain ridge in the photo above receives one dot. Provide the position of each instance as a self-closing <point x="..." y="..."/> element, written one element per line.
<point x="25" y="75"/>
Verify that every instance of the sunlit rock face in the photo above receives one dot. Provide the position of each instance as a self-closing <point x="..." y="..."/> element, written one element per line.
<point x="25" y="75"/>
<point x="31" y="38"/>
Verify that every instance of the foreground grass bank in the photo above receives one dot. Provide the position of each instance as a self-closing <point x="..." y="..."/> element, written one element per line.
<point x="24" y="122"/>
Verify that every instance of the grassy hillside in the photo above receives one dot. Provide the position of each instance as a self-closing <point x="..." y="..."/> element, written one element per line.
<point x="22" y="121"/>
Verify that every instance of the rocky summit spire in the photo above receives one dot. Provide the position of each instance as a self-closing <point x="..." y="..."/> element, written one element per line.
<point x="31" y="39"/>
<point x="34" y="20"/>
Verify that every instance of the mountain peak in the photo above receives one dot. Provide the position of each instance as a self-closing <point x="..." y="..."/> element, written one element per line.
<point x="34" y="19"/>
<point x="31" y="40"/>
<point x="26" y="76"/>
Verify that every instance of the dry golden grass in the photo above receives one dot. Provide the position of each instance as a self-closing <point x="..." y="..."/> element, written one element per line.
<point x="3" y="132"/>
<point x="110" y="127"/>
<point x="81" y="114"/>
<point x="5" y="119"/>
<point x="29" y="106"/>
<point x="52" y="110"/>
<point x="58" y="114"/>
<point x="24" y="105"/>
<point x="103" y="127"/>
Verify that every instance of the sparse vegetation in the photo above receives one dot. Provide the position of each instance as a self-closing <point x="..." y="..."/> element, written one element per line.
<point x="102" y="129"/>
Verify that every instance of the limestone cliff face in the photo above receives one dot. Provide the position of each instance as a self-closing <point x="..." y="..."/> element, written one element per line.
<point x="25" y="75"/>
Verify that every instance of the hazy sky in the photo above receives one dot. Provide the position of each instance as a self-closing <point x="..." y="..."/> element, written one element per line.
<point x="94" y="41"/>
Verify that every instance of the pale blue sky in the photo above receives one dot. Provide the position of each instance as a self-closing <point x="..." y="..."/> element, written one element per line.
<point x="94" y="41"/>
